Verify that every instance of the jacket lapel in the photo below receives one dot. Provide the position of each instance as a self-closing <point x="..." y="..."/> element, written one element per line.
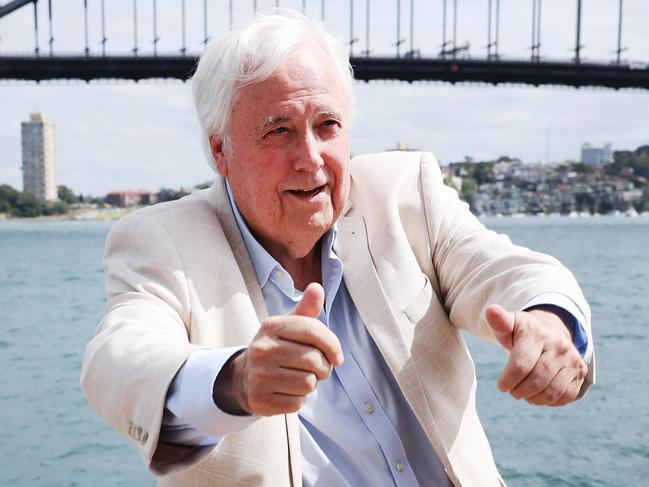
<point x="364" y="285"/>
<point x="218" y="198"/>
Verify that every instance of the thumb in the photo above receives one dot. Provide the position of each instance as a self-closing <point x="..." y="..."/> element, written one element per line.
<point x="311" y="303"/>
<point x="501" y="323"/>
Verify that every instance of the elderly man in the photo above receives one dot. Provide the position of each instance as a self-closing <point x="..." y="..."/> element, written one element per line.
<point x="298" y="323"/>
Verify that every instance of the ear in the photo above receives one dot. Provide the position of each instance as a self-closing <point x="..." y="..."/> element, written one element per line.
<point x="216" y="146"/>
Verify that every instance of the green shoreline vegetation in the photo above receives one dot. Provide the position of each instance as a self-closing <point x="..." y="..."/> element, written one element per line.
<point x="505" y="186"/>
<point x="16" y="204"/>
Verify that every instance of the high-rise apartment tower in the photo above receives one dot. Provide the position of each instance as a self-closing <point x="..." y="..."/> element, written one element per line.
<point x="596" y="156"/>
<point x="39" y="164"/>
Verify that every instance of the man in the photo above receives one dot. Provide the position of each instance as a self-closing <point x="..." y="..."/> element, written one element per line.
<point x="303" y="282"/>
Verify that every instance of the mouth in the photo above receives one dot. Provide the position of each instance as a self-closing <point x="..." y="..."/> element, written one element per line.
<point x="308" y="193"/>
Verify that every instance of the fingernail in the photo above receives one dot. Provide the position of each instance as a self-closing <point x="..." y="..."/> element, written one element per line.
<point x="340" y="359"/>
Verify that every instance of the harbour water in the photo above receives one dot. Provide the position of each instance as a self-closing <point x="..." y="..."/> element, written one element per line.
<point x="51" y="299"/>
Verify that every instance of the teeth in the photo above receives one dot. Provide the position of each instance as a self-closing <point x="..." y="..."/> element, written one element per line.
<point x="310" y="191"/>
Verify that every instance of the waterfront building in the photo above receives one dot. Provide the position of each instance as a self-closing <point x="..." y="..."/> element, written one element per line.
<point x="596" y="156"/>
<point x="39" y="165"/>
<point x="131" y="198"/>
<point x="402" y="147"/>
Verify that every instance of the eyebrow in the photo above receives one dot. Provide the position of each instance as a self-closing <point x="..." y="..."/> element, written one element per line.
<point x="272" y="120"/>
<point x="275" y="119"/>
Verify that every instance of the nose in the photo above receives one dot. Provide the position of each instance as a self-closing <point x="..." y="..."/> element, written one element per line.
<point x="309" y="153"/>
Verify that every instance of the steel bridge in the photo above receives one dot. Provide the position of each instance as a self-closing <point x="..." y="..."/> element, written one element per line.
<point x="451" y="64"/>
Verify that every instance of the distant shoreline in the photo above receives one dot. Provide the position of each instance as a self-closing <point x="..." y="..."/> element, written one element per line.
<point x="87" y="214"/>
<point x="114" y="214"/>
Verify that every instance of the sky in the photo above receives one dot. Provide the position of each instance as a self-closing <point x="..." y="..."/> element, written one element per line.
<point x="122" y="135"/>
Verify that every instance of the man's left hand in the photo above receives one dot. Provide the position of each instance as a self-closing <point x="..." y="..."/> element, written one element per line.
<point x="544" y="367"/>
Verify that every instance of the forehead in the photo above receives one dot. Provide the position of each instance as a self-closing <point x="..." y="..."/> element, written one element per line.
<point x="307" y="80"/>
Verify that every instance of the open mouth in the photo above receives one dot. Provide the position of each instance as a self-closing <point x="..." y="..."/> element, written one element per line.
<point x="307" y="193"/>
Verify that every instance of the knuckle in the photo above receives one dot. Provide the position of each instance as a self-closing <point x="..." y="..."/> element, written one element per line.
<point x="261" y="349"/>
<point x="519" y="365"/>
<point x="270" y="326"/>
<point x="295" y="404"/>
<point x="543" y="370"/>
<point x="517" y="394"/>
<point x="257" y="351"/>
<point x="535" y="384"/>
<point x="534" y="400"/>
<point x="552" y="392"/>
<point x="325" y="372"/>
<point x="255" y="378"/>
<point x="582" y="369"/>
<point x="564" y="346"/>
<point x="310" y="382"/>
<point x="311" y="359"/>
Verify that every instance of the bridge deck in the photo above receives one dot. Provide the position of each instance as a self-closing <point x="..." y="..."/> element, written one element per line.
<point x="365" y="69"/>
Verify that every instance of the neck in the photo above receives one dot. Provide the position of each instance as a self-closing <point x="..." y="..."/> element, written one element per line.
<point x="303" y="270"/>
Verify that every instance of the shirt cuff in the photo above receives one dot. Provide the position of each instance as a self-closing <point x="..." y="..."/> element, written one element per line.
<point x="190" y="396"/>
<point x="577" y="323"/>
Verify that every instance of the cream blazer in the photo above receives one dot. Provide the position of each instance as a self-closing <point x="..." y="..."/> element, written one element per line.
<point x="418" y="265"/>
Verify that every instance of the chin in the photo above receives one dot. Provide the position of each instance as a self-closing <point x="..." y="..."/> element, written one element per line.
<point x="307" y="237"/>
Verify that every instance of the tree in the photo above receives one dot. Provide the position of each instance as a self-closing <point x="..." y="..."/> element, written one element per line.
<point x="26" y="206"/>
<point x="203" y="185"/>
<point x="8" y="198"/>
<point x="55" y="208"/>
<point x="581" y="168"/>
<point x="637" y="161"/>
<point x="67" y="195"/>
<point x="483" y="172"/>
<point x="468" y="191"/>
<point x="167" y="194"/>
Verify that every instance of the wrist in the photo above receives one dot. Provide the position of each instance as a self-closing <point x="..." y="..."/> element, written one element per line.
<point x="227" y="392"/>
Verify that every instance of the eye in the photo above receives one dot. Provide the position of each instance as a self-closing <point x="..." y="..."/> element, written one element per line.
<point x="330" y="122"/>
<point x="330" y="126"/>
<point x="277" y="131"/>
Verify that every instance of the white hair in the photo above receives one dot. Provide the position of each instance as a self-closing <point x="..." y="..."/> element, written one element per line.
<point x="252" y="53"/>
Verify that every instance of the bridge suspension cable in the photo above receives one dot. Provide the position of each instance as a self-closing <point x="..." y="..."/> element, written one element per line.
<point x="135" y="47"/>
<point x="620" y="49"/>
<point x="49" y="17"/>
<point x="103" y="29"/>
<point x="578" y="45"/>
<point x="536" y="30"/>
<point x="85" y="26"/>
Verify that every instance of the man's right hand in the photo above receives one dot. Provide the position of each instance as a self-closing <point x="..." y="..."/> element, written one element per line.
<point x="284" y="362"/>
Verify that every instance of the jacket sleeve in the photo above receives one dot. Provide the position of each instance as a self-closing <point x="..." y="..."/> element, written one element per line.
<point x="477" y="267"/>
<point x="142" y="340"/>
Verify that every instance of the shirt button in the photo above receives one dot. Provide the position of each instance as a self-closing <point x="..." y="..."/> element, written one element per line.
<point x="279" y="274"/>
<point x="369" y="407"/>
<point x="400" y="466"/>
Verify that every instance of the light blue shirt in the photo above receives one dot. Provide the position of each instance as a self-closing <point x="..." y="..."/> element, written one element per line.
<point x="356" y="428"/>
